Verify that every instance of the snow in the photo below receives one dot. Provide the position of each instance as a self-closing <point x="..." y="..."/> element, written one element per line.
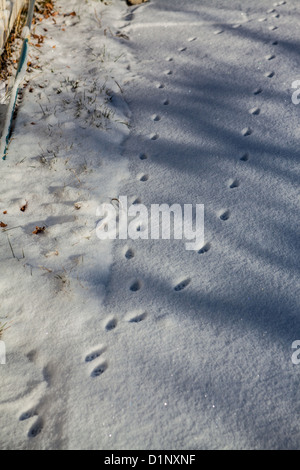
<point x="143" y="344"/>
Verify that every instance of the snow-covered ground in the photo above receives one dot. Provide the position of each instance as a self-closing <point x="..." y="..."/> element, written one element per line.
<point x="173" y="101"/>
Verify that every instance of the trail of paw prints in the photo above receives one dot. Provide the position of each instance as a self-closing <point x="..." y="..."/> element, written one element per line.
<point x="270" y="74"/>
<point x="190" y="40"/>
<point x="275" y="16"/>
<point x="98" y="365"/>
<point x="94" y="358"/>
<point x="31" y="415"/>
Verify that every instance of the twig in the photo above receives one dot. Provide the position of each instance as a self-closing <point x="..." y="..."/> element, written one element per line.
<point x="11" y="247"/>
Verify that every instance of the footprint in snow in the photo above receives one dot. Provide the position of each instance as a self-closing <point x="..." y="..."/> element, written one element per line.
<point x="28" y="414"/>
<point x="128" y="17"/>
<point x="168" y="72"/>
<point x="155" y="117"/>
<point x="129" y="254"/>
<point x="245" y="157"/>
<point x="32" y="355"/>
<point x="144" y="178"/>
<point x="99" y="370"/>
<point x="258" y="91"/>
<point x="143" y="156"/>
<point x="182" y="285"/>
<point x="111" y="324"/>
<point x="137" y="201"/>
<point x="204" y="249"/>
<point x="154" y="137"/>
<point x="270" y="57"/>
<point x="36" y="428"/>
<point x="270" y="74"/>
<point x="166" y="102"/>
<point x="136" y="286"/>
<point x="254" y="111"/>
<point x="192" y="39"/>
<point x="94" y="354"/>
<point x="225" y="215"/>
<point x="137" y="318"/>
<point x="182" y="49"/>
<point x="246" y="131"/>
<point x="234" y="184"/>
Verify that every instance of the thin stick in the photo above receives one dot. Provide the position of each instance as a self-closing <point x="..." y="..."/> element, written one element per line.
<point x="11" y="247"/>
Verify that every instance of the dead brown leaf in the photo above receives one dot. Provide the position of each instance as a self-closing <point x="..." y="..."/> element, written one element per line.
<point x="39" y="230"/>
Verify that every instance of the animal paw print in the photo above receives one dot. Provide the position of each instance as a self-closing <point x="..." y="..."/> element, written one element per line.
<point x="225" y="215"/>
<point x="136" y="286"/>
<point x="270" y="74"/>
<point x="129" y="254"/>
<point x="204" y="249"/>
<point x="247" y="131"/>
<point x="254" y="111"/>
<point x="154" y="136"/>
<point x="111" y="324"/>
<point x="38" y="425"/>
<point x="182" y="285"/>
<point x="245" y="157"/>
<point x="144" y="178"/>
<point x="234" y="184"/>
<point x="137" y="317"/>
<point x="101" y="367"/>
